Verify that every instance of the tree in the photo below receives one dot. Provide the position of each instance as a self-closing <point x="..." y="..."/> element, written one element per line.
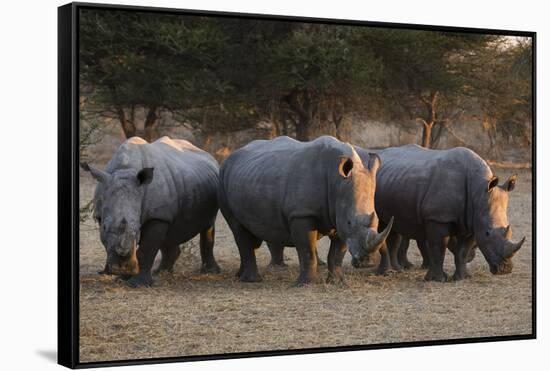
<point x="423" y="73"/>
<point x="502" y="86"/>
<point x="317" y="70"/>
<point x="149" y="60"/>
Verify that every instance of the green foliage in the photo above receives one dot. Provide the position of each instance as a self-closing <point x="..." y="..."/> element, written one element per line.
<point x="322" y="59"/>
<point x="419" y="63"/>
<point x="501" y="84"/>
<point x="227" y="73"/>
<point x="149" y="59"/>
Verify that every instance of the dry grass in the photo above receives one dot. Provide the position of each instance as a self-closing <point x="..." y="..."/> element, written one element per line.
<point x="186" y="313"/>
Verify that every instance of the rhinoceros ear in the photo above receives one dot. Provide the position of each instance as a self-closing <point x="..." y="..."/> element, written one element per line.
<point x="345" y="167"/>
<point x="492" y="183"/>
<point x="145" y="175"/>
<point x="374" y="162"/>
<point x="99" y="175"/>
<point x="510" y="184"/>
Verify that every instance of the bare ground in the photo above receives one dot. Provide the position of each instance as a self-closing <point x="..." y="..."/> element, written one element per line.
<point x="186" y="313"/>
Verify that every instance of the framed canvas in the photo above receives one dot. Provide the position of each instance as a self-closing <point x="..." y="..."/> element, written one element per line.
<point x="243" y="185"/>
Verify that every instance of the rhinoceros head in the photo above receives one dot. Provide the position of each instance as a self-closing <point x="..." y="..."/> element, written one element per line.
<point x="492" y="230"/>
<point x="118" y="214"/>
<point x="356" y="219"/>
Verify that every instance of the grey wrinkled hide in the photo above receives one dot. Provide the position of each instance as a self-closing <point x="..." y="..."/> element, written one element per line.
<point x="182" y="193"/>
<point x="451" y="192"/>
<point x="269" y="187"/>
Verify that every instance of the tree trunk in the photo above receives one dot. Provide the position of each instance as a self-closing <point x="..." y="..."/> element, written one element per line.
<point x="338" y="128"/>
<point x="301" y="103"/>
<point x="127" y="126"/>
<point x="302" y="130"/>
<point x="150" y="126"/>
<point x="489" y="125"/>
<point x="431" y="105"/>
<point x="284" y="126"/>
<point x="337" y="119"/>
<point x="427" y="134"/>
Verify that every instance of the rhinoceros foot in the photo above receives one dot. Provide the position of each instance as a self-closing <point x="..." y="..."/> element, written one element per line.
<point x="210" y="268"/>
<point x="438" y="276"/>
<point x="250" y="277"/>
<point x="105" y="270"/>
<point x="458" y="276"/>
<point x="397" y="267"/>
<point x="382" y="270"/>
<point x="336" y="277"/>
<point x="140" y="280"/>
<point x="302" y="283"/>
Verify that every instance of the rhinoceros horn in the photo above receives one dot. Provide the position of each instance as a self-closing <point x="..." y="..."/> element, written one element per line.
<point x="510" y="249"/>
<point x="100" y="175"/>
<point x="374" y="240"/>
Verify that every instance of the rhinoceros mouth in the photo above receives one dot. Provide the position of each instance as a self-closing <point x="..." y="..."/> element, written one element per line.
<point x="125" y="269"/>
<point x="127" y="265"/>
<point x="504" y="267"/>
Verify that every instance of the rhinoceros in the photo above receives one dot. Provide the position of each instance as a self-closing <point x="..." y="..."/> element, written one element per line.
<point x="290" y="193"/>
<point x="435" y="195"/>
<point x="155" y="196"/>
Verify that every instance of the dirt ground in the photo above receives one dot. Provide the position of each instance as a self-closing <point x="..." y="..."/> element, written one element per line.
<point x="186" y="313"/>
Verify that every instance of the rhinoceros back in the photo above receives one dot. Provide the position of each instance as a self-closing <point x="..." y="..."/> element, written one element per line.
<point x="185" y="178"/>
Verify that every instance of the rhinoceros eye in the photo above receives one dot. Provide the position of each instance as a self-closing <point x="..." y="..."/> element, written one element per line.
<point x="487" y="233"/>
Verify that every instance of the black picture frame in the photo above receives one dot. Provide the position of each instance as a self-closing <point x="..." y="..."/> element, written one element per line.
<point x="68" y="186"/>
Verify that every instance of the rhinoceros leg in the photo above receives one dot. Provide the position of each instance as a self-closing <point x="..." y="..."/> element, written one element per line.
<point x="462" y="251"/>
<point x="304" y="234"/>
<point x="336" y="255"/>
<point x="169" y="255"/>
<point x="384" y="264"/>
<point x="423" y="247"/>
<point x="209" y="264"/>
<point x="153" y="233"/>
<point x="247" y="244"/>
<point x="277" y="255"/>
<point x="394" y="243"/>
<point x="402" y="253"/>
<point x="105" y="270"/>
<point x="438" y="239"/>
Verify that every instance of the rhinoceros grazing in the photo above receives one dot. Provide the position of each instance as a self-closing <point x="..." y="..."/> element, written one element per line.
<point x="436" y="195"/>
<point x="291" y="193"/>
<point x="155" y="196"/>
